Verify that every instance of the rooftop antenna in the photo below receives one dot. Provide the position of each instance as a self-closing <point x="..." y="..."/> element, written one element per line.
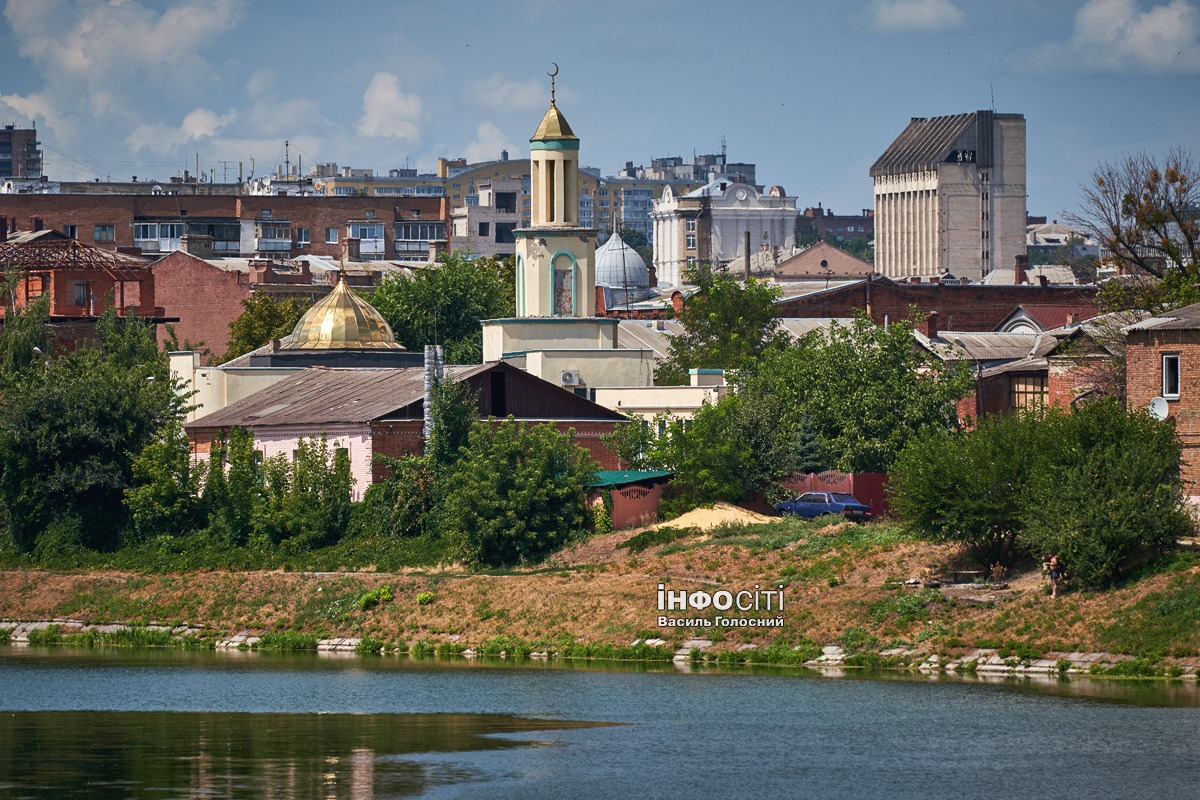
<point x="287" y="161"/>
<point x="992" y="89"/>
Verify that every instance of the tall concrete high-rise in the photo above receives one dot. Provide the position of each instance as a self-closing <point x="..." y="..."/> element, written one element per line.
<point x="950" y="196"/>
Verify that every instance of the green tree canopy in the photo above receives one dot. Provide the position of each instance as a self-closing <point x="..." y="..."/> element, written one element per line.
<point x="71" y="427"/>
<point x="728" y="324"/>
<point x="444" y="304"/>
<point x="518" y="492"/>
<point x="262" y="320"/>
<point x="863" y="389"/>
<point x="1099" y="487"/>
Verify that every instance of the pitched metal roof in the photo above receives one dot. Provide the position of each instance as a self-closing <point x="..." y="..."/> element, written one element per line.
<point x="325" y="396"/>
<point x="978" y="346"/>
<point x="621" y="477"/>
<point x="1181" y="319"/>
<point x="923" y="144"/>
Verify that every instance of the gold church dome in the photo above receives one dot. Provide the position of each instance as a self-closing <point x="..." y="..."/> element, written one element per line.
<point x="554" y="127"/>
<point x="342" y="321"/>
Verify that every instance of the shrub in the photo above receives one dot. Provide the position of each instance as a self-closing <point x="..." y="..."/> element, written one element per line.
<point x="424" y="598"/>
<point x="518" y="493"/>
<point x="375" y="597"/>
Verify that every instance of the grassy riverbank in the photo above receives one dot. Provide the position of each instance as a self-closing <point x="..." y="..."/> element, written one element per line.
<point x="843" y="586"/>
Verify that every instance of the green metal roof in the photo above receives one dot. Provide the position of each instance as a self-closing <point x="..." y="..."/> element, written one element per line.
<point x="620" y="477"/>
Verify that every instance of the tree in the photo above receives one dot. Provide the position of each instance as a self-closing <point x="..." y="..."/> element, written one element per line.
<point x="164" y="498"/>
<point x="864" y="390"/>
<point x="1098" y="486"/>
<point x="1144" y="211"/>
<point x="518" y="492"/>
<point x="971" y="487"/>
<point x="71" y="428"/>
<point x="639" y="242"/>
<point x="740" y="446"/>
<point x="305" y="500"/>
<point x="444" y="304"/>
<point x="728" y="324"/>
<point x="263" y="319"/>
<point x="859" y="246"/>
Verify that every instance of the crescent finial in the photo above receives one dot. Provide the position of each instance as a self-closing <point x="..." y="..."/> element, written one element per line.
<point x="555" y="73"/>
<point x="552" y="75"/>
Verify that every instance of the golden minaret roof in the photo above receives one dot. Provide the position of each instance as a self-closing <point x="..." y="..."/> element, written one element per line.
<point x="554" y="125"/>
<point x="342" y="321"/>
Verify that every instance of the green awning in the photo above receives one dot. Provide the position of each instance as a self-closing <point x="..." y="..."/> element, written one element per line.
<point x="621" y="477"/>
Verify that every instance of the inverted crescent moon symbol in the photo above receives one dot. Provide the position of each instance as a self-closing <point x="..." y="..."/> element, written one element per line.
<point x="555" y="73"/>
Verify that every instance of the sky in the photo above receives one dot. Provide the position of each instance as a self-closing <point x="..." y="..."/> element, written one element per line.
<point x="812" y="92"/>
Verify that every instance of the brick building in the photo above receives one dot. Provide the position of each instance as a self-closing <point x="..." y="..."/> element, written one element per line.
<point x="1162" y="360"/>
<point x="371" y="412"/>
<point x="962" y="307"/>
<point x="826" y="226"/>
<point x="81" y="281"/>
<point x="246" y="226"/>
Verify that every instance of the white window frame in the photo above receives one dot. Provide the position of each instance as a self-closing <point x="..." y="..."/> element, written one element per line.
<point x="331" y="236"/>
<point x="1167" y="386"/>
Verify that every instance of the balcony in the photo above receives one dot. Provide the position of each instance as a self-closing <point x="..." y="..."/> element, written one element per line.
<point x="272" y="245"/>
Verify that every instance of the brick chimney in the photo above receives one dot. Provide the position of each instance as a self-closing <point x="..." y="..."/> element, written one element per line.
<point x="929" y="325"/>
<point x="1021" y="270"/>
<point x="196" y="244"/>
<point x="353" y="249"/>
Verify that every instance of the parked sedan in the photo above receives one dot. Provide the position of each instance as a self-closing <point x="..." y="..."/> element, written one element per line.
<point x="817" y="504"/>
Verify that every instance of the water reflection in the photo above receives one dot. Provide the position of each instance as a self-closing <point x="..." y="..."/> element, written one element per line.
<point x="265" y="755"/>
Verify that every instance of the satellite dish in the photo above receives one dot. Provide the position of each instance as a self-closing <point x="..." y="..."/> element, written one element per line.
<point x="1159" y="408"/>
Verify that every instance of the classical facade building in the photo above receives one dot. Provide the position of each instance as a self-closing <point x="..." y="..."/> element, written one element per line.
<point x="950" y="196"/>
<point x="709" y="225"/>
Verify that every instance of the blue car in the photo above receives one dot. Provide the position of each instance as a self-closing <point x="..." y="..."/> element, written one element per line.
<point x="811" y="505"/>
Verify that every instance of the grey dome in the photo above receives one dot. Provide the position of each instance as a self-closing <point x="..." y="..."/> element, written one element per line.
<point x="618" y="265"/>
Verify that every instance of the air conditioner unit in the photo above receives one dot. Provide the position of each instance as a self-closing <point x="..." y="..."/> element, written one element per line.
<point x="570" y="377"/>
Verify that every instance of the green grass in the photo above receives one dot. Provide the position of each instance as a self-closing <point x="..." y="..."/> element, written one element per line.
<point x="656" y="536"/>
<point x="287" y="640"/>
<point x="5" y="635"/>
<point x="1164" y="623"/>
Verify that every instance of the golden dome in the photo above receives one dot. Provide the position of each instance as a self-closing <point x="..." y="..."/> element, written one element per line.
<point x="342" y="321"/>
<point x="553" y="127"/>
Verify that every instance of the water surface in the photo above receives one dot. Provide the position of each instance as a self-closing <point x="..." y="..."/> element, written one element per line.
<point x="176" y="724"/>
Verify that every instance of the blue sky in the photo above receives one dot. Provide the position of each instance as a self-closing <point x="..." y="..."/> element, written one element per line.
<point x="810" y="91"/>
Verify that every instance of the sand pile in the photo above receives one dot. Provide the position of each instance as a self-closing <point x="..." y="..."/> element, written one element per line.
<point x="719" y="514"/>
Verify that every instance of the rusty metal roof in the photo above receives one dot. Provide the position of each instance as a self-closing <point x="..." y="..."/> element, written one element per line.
<point x="325" y="396"/>
<point x="49" y="249"/>
<point x="1181" y="319"/>
<point x="978" y="346"/>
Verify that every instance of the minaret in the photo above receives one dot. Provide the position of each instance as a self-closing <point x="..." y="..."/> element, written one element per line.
<point x="556" y="273"/>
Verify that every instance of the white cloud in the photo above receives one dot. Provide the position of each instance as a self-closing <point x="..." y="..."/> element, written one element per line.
<point x="1117" y="36"/>
<point x="901" y="16"/>
<point x="387" y="111"/>
<point x="105" y="60"/>
<point x="489" y="141"/>
<point x="498" y="93"/>
<point x="200" y="123"/>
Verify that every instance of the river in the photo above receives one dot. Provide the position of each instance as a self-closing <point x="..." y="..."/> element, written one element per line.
<point x="167" y="724"/>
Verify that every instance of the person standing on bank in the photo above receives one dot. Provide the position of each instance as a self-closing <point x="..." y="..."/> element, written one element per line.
<point x="1054" y="569"/>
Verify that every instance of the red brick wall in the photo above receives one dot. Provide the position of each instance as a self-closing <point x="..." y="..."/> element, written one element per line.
<point x="959" y="308"/>
<point x="315" y="213"/>
<point x="401" y="438"/>
<point x="1143" y="382"/>
<point x="204" y="298"/>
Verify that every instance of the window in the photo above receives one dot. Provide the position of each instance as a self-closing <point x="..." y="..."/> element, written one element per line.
<point x="691" y="241"/>
<point x="690" y="226"/>
<point x="144" y="231"/>
<point x="266" y="212"/>
<point x="105" y="233"/>
<point x="1170" y="377"/>
<point x="69" y="230"/>
<point x="1027" y="391"/>
<point x="369" y="214"/>
<point x="485" y="229"/>
<point x="171" y="230"/>
<point x="331" y="236"/>
<point x="303" y="236"/>
<point x="83" y="292"/>
<point x="366" y="230"/>
<point x="274" y="232"/>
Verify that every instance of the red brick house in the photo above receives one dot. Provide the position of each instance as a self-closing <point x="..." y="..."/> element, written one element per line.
<point x="81" y="281"/>
<point x="1162" y="360"/>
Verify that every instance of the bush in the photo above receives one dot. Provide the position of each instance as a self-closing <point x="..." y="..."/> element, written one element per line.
<point x="518" y="493"/>
<point x="374" y="598"/>
<point x="1098" y="486"/>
